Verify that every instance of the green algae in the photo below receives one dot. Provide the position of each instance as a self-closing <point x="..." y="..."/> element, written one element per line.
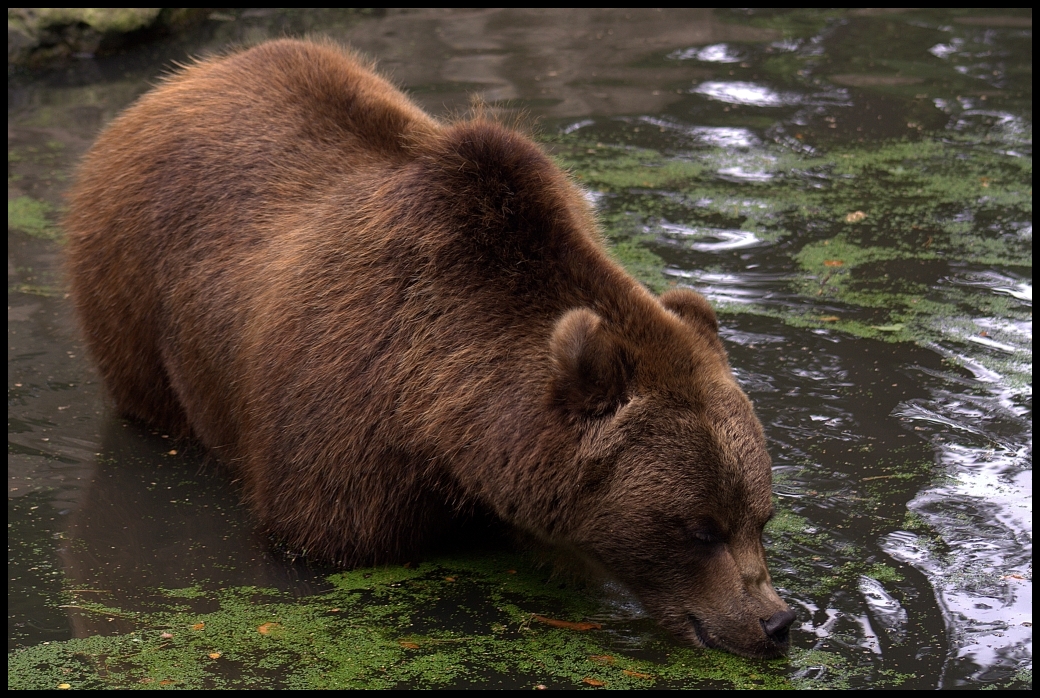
<point x="35" y="290"/>
<point x="377" y="629"/>
<point x="32" y="217"/>
<point x="35" y="614"/>
<point x="857" y="217"/>
<point x="386" y="628"/>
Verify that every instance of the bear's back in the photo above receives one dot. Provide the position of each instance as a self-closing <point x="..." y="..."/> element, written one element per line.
<point x="252" y="130"/>
<point x="286" y="196"/>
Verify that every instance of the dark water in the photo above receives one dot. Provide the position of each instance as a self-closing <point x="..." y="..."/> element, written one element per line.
<point x="854" y="192"/>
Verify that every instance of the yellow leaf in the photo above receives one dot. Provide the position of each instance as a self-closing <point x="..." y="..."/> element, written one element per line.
<point x="855" y="217"/>
<point x="568" y="625"/>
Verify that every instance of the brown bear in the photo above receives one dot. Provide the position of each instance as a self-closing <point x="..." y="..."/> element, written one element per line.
<point x="381" y="322"/>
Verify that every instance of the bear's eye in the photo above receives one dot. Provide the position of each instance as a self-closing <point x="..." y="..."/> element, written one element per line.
<point x="704" y="536"/>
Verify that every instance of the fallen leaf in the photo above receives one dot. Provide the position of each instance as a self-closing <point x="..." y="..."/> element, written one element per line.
<point x="1012" y="576"/>
<point x="568" y="625"/>
<point x="450" y="579"/>
<point x="833" y="263"/>
<point x="172" y="452"/>
<point x="830" y="318"/>
<point x="166" y="636"/>
<point x="593" y="682"/>
<point x="602" y="658"/>
<point x="147" y="679"/>
<point x="267" y="628"/>
<point x="636" y="674"/>
<point x="198" y="626"/>
<point x="985" y="181"/>
<point x="408" y="645"/>
<point x="64" y="685"/>
<point x="214" y="655"/>
<point x="166" y="682"/>
<point x="855" y="217"/>
<point x="541" y="687"/>
<point x="889" y="328"/>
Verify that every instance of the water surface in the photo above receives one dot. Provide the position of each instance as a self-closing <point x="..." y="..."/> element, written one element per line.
<point x="854" y="192"/>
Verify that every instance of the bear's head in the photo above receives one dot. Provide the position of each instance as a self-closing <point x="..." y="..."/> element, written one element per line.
<point x="675" y="482"/>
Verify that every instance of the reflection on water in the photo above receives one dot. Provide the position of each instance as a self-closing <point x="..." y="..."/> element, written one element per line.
<point x="722" y="239"/>
<point x="749" y="287"/>
<point x="745" y="93"/>
<point x="716" y="53"/>
<point x="727" y="137"/>
<point x="714" y="146"/>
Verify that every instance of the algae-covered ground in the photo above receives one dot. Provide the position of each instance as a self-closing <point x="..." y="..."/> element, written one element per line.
<point x="476" y="622"/>
<point x="853" y="192"/>
<point x="487" y="621"/>
<point x="864" y="222"/>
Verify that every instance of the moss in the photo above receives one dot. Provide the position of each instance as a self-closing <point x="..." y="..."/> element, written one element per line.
<point x="31" y="217"/>
<point x="796" y="23"/>
<point x="861" y="219"/>
<point x="640" y="262"/>
<point x="35" y="613"/>
<point x="103" y="19"/>
<point x="384" y="628"/>
<point x="35" y="290"/>
<point x="883" y="573"/>
<point x="831" y="670"/>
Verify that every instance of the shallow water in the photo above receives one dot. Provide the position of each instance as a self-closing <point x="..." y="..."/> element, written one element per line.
<point x="854" y="192"/>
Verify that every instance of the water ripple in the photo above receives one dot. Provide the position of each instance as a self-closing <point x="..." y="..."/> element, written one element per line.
<point x="745" y="93"/>
<point x="711" y="239"/>
<point x="716" y="53"/>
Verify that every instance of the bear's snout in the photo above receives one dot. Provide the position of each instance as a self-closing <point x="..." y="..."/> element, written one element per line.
<point x="777" y="628"/>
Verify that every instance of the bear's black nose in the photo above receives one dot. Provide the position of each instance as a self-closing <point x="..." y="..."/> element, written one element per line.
<point x="777" y="626"/>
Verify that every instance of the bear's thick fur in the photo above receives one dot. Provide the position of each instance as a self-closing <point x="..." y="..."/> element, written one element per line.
<point x="381" y="322"/>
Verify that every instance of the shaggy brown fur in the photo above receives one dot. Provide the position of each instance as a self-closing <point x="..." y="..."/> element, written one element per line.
<point x="381" y="321"/>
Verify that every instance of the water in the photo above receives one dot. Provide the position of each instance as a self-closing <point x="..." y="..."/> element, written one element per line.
<point x="854" y="192"/>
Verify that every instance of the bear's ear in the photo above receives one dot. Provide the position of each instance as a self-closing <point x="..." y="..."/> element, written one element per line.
<point x="590" y="370"/>
<point x="693" y="308"/>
